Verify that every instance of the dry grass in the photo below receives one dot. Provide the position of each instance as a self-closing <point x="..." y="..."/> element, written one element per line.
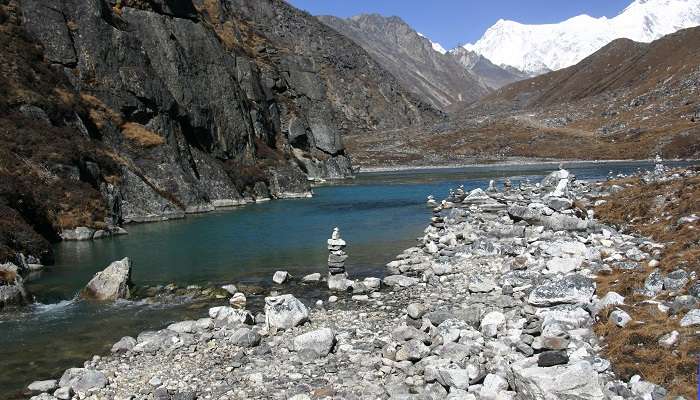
<point x="634" y="349"/>
<point x="7" y="275"/>
<point x="141" y="135"/>
<point x="653" y="210"/>
<point x="100" y="114"/>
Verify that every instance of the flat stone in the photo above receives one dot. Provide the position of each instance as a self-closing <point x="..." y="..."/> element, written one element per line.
<point x="571" y="289"/>
<point x="315" y="277"/>
<point x="571" y="381"/>
<point x="43" y="386"/>
<point x="400" y="281"/>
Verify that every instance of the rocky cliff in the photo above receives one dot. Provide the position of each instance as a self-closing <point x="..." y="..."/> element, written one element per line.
<point x="436" y="77"/>
<point x="143" y="110"/>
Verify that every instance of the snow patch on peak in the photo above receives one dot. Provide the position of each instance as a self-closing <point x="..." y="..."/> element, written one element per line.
<point x="540" y="48"/>
<point x="436" y="46"/>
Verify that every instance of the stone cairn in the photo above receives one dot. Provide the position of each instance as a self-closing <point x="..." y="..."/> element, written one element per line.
<point x="337" y="277"/>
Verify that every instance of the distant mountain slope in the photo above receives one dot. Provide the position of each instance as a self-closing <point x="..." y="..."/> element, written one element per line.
<point x="414" y="60"/>
<point x="538" y="49"/>
<point x="492" y="75"/>
<point x="622" y="64"/>
<point x="627" y="101"/>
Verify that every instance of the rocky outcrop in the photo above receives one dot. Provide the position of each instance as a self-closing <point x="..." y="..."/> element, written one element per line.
<point x="112" y="283"/>
<point x="410" y="57"/>
<point x="146" y="111"/>
<point x="12" y="291"/>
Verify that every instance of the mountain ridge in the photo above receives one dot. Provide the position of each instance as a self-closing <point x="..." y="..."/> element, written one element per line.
<point x="411" y="58"/>
<point x="537" y="49"/>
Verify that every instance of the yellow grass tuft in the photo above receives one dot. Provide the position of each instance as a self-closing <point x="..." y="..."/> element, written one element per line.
<point x="141" y="135"/>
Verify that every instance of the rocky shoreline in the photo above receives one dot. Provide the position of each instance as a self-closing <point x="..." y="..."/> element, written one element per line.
<point x="497" y="301"/>
<point x="510" y="161"/>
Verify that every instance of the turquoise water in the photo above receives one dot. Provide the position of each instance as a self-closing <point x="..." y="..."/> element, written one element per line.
<point x="379" y="215"/>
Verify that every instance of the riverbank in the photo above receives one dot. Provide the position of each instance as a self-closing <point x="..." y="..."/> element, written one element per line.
<point x="509" y="162"/>
<point x="498" y="300"/>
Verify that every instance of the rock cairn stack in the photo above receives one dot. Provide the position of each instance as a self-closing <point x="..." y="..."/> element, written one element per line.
<point x="337" y="277"/>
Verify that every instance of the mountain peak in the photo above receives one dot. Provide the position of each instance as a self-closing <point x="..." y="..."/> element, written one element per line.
<point x="539" y="48"/>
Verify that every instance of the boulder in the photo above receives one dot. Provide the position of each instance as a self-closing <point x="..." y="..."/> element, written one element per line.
<point x="553" y="179"/>
<point x="245" y="337"/>
<point x="578" y="381"/>
<point x="675" y="280"/>
<point x="124" y="345"/>
<point x="319" y="341"/>
<point x="571" y="289"/>
<point x="564" y="265"/>
<point x="43" y="386"/>
<point x="238" y="300"/>
<point x="231" y="289"/>
<point x="400" y="281"/>
<point x="112" y="283"/>
<point x="80" y="233"/>
<point x="412" y="350"/>
<point x="230" y="315"/>
<point x="339" y="282"/>
<point x="280" y="277"/>
<point x="456" y="378"/>
<point x="82" y="380"/>
<point x="491" y="323"/>
<point x="692" y="318"/>
<point x="492" y="386"/>
<point x="285" y="312"/>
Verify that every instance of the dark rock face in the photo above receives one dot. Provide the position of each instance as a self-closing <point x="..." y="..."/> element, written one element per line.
<point x="491" y="74"/>
<point x="435" y="77"/>
<point x="175" y="107"/>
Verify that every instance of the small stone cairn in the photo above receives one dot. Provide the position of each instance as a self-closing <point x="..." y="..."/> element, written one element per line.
<point x="337" y="277"/>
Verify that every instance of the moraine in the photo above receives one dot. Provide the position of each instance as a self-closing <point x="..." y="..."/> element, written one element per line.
<point x="380" y="215"/>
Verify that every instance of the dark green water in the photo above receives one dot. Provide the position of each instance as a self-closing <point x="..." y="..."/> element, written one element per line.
<point x="379" y="214"/>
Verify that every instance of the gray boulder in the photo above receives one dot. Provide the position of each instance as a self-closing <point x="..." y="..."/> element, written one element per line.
<point x="280" y="277"/>
<point x="319" y="341"/>
<point x="245" y="337"/>
<point x="82" y="380"/>
<point x="285" y="312"/>
<point x="80" y="233"/>
<point x="400" y="281"/>
<point x="692" y="318"/>
<point x="675" y="280"/>
<point x="578" y="381"/>
<point x="43" y="386"/>
<point x="124" y="345"/>
<point x="112" y="283"/>
<point x="571" y="289"/>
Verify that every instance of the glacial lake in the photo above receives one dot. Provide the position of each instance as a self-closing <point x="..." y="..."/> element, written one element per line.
<point x="379" y="214"/>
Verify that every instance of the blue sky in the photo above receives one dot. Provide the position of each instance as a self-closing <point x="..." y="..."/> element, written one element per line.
<point x="451" y="22"/>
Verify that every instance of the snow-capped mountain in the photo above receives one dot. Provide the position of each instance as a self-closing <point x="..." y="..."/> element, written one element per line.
<point x="536" y="49"/>
<point x="436" y="46"/>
